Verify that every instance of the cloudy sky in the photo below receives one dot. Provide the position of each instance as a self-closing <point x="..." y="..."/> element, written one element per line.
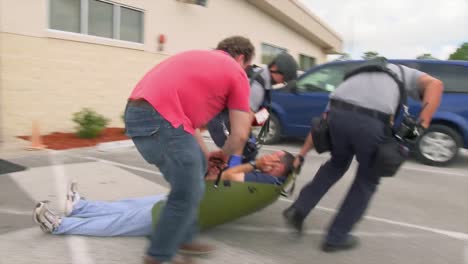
<point x="396" y="28"/>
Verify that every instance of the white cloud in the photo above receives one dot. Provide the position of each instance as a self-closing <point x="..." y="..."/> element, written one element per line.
<point x="396" y="28"/>
<point x="445" y="51"/>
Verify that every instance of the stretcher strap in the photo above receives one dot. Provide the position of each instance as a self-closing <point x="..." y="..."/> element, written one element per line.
<point x="287" y="193"/>
<point x="219" y="165"/>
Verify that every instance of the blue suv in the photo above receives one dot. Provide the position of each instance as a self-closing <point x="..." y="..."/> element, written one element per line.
<point x="295" y="105"/>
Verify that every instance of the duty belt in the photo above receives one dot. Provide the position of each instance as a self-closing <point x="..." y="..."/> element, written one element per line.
<point x="341" y="105"/>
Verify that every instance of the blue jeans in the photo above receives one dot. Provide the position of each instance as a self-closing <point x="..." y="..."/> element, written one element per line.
<point x="130" y="217"/>
<point x="179" y="157"/>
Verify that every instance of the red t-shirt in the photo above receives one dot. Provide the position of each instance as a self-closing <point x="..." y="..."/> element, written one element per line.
<point x="190" y="88"/>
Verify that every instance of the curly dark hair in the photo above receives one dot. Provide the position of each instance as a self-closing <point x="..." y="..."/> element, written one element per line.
<point x="237" y="45"/>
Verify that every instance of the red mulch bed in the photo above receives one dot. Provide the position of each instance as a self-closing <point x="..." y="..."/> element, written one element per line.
<point x="59" y="140"/>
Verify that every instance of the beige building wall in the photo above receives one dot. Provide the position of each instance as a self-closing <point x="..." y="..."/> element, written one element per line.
<point x="48" y="80"/>
<point x="47" y="75"/>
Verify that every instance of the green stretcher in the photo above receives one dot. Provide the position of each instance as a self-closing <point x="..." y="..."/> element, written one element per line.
<point x="226" y="201"/>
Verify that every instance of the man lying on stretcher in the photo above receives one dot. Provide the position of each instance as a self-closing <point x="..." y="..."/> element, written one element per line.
<point x="132" y="217"/>
<point x="272" y="168"/>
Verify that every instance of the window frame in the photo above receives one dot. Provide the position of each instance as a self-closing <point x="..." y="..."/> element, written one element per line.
<point x="302" y="55"/>
<point x="84" y="35"/>
<point x="271" y="46"/>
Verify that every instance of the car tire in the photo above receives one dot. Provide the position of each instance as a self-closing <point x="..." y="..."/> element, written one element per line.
<point x="274" y="134"/>
<point x="438" y="146"/>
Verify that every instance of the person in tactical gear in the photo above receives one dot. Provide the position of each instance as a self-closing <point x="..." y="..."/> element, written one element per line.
<point x="282" y="69"/>
<point x="359" y="111"/>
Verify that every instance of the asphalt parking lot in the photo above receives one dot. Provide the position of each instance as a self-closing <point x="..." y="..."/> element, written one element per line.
<point x="419" y="216"/>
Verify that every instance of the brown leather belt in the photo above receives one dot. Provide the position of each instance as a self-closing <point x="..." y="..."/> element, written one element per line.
<point x="139" y="103"/>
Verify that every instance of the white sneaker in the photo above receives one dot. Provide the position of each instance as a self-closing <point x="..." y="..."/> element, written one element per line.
<point x="73" y="197"/>
<point x="47" y="220"/>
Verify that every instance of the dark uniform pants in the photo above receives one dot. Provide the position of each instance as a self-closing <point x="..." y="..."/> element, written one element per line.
<point x="352" y="134"/>
<point x="217" y="128"/>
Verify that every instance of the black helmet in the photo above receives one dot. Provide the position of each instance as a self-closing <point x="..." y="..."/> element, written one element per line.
<point x="287" y="65"/>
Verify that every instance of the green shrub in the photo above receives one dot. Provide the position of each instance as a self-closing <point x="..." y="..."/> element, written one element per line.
<point x="90" y="123"/>
<point x="123" y="120"/>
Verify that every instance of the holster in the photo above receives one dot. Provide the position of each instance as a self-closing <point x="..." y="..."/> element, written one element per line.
<point x="321" y="135"/>
<point x="391" y="154"/>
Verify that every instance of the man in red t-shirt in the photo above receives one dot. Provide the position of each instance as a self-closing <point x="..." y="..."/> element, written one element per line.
<point x="163" y="117"/>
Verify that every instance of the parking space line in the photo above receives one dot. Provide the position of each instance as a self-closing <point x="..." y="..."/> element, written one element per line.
<point x="76" y="245"/>
<point x="14" y="212"/>
<point x="117" y="164"/>
<point x="79" y="250"/>
<point x="465" y="257"/>
<point x="448" y="233"/>
<point x="433" y="171"/>
<point x="270" y="229"/>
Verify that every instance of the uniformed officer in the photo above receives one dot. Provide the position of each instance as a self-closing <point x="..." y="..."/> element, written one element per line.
<point x="359" y="110"/>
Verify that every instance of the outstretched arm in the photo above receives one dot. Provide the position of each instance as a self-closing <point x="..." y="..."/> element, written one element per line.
<point x="308" y="145"/>
<point x="432" y="89"/>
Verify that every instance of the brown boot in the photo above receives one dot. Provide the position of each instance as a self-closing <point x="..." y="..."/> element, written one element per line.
<point x="196" y="248"/>
<point x="175" y="260"/>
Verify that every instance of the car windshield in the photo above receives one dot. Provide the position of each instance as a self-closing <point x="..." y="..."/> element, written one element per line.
<point x="326" y="79"/>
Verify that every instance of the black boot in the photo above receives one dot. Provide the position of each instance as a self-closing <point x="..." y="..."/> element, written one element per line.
<point x="294" y="218"/>
<point x="350" y="243"/>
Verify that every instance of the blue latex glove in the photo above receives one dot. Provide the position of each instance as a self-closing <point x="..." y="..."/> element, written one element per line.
<point x="234" y="160"/>
<point x="252" y="139"/>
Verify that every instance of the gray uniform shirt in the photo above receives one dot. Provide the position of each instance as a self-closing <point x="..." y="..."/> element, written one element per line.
<point x="257" y="91"/>
<point x="377" y="90"/>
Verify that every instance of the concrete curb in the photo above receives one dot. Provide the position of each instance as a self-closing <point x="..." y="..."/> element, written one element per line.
<point x="107" y="146"/>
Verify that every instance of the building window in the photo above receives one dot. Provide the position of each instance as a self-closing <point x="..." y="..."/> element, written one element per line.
<point x="196" y="2"/>
<point x="269" y="52"/>
<point x="131" y="25"/>
<point x="65" y="15"/>
<point x="100" y="19"/>
<point x="306" y="62"/>
<point x="97" y="18"/>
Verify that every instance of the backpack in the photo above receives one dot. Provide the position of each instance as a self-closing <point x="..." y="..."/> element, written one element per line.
<point x="254" y="74"/>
